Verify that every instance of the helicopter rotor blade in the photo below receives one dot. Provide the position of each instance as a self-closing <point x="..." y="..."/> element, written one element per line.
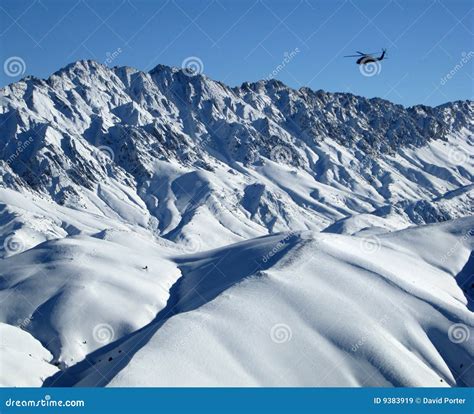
<point x="369" y="54"/>
<point x="360" y="54"/>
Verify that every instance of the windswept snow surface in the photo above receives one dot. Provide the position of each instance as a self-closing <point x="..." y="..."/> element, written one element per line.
<point x="307" y="309"/>
<point x="24" y="362"/>
<point x="165" y="229"/>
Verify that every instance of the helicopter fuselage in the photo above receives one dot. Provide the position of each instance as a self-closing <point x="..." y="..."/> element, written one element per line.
<point x="366" y="59"/>
<point x="370" y="59"/>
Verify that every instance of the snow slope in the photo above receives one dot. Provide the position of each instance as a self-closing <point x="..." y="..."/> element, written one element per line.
<point x="306" y="309"/>
<point x="24" y="361"/>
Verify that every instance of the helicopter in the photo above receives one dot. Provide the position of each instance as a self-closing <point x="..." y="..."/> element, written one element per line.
<point x="365" y="58"/>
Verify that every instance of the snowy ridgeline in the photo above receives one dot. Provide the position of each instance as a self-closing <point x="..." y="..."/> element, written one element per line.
<point x="176" y="154"/>
<point x="115" y="184"/>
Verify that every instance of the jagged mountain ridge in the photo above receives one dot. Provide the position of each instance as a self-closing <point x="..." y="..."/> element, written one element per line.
<point x="111" y="177"/>
<point x="95" y="137"/>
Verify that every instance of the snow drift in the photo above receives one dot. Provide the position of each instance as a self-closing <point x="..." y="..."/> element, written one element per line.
<point x="307" y="309"/>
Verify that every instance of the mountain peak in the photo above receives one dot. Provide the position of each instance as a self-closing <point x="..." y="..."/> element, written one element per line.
<point x="142" y="118"/>
<point x="82" y="64"/>
<point x="164" y="68"/>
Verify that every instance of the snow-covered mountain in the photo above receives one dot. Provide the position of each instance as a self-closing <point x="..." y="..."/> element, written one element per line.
<point x="170" y="151"/>
<point x="111" y="177"/>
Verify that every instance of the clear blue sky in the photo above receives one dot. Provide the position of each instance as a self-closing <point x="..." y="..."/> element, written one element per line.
<point x="246" y="40"/>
